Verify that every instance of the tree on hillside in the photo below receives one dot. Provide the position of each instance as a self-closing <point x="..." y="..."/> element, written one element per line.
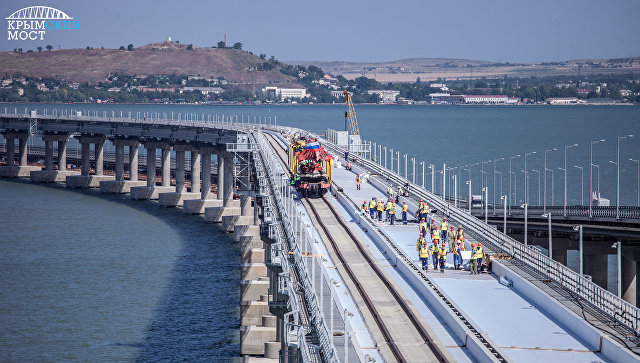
<point x="263" y="56"/>
<point x="49" y="47"/>
<point x="222" y="44"/>
<point x="190" y="46"/>
<point x="39" y="49"/>
<point x="122" y="47"/>
<point x="130" y="47"/>
<point x="237" y="45"/>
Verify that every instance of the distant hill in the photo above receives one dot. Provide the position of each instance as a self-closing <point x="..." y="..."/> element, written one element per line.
<point x="81" y="65"/>
<point x="430" y="69"/>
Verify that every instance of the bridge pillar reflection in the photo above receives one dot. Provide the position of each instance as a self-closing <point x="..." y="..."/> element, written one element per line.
<point x="176" y="198"/>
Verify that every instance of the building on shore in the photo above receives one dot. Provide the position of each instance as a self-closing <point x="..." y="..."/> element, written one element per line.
<point x="205" y="90"/>
<point x="282" y="94"/>
<point x="563" y="101"/>
<point x="337" y="94"/>
<point x="445" y="99"/>
<point x="386" y="96"/>
<point x="490" y="99"/>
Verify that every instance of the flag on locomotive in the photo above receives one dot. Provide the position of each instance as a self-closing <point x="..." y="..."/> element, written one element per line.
<point x="310" y="166"/>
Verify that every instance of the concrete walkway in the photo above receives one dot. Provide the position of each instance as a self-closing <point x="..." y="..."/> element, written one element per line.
<point x="523" y="331"/>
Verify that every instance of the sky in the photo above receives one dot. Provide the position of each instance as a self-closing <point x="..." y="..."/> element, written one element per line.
<point x="356" y="30"/>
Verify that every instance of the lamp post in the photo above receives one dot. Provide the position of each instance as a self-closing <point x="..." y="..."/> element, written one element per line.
<point x="385" y="157"/>
<point x="526" y="179"/>
<point x="564" y="213"/>
<point x="413" y="170"/>
<point x="598" y="181"/>
<point x="504" y="214"/>
<point x="398" y="157"/>
<point x="591" y="175"/>
<point x="455" y="191"/>
<point x="548" y="216"/>
<point x="422" y="163"/>
<point x="433" y="178"/>
<point x="537" y="171"/>
<point x="618" y="176"/>
<point x="510" y="195"/>
<point x="406" y="175"/>
<point x="469" y="200"/>
<point x="581" y="183"/>
<point x="380" y="154"/>
<point x="526" y="224"/>
<point x="578" y="229"/>
<point x="482" y="174"/>
<point x="637" y="181"/>
<point x="544" y="199"/>
<point x="391" y="150"/>
<point x="495" y="161"/>
<point x="618" y="246"/>
<point x="486" y="205"/>
<point x="499" y="173"/>
<point x="444" y="182"/>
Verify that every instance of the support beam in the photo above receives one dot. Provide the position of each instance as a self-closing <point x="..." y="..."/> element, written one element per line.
<point x="62" y="154"/>
<point x="99" y="156"/>
<point x="195" y="171"/>
<point x="11" y="153"/>
<point x="133" y="162"/>
<point x="228" y="179"/>
<point x="151" y="166"/>
<point x="48" y="154"/>
<point x="629" y="279"/>
<point x="206" y="175"/>
<point x="220" y="175"/>
<point x="86" y="158"/>
<point x="166" y="166"/>
<point x="180" y="163"/>
<point x="119" y="162"/>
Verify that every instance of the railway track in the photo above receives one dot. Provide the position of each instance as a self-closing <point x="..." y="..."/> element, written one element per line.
<point x="405" y="336"/>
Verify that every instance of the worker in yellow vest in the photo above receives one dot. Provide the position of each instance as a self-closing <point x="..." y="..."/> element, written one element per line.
<point x="473" y="263"/>
<point x="423" y="252"/>
<point x="405" y="209"/>
<point x="442" y="256"/>
<point x="451" y="237"/>
<point x="372" y="207"/>
<point x="380" y="207"/>
<point x="392" y="213"/>
<point x="435" y="239"/>
<point x="358" y="181"/>
<point x="480" y="255"/>
<point x="387" y="210"/>
<point x="457" y="256"/>
<point x="422" y="227"/>
<point x="445" y="227"/>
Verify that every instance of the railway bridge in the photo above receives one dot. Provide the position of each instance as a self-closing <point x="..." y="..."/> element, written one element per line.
<point x="322" y="281"/>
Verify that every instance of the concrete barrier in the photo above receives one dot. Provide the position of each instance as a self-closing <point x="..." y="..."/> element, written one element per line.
<point x="119" y="186"/>
<point x="251" y="290"/>
<point x="51" y="176"/>
<point x="198" y="206"/>
<point x="216" y="213"/>
<point x="87" y="181"/>
<point x="174" y="199"/>
<point x="16" y="171"/>
<point x="253" y="338"/>
<point x="230" y="221"/>
<point x="245" y="230"/>
<point x="147" y="192"/>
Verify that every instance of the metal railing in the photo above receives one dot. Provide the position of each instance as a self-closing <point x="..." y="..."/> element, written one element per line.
<point x="620" y="310"/>
<point x="609" y="212"/>
<point x="294" y="242"/>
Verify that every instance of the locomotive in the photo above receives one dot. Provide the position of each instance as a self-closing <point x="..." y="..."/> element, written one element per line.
<point x="310" y="166"/>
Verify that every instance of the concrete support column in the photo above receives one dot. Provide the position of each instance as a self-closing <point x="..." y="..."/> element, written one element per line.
<point x="245" y="206"/>
<point x="99" y="156"/>
<point x="597" y="266"/>
<point x="119" y="162"/>
<point x="228" y="179"/>
<point x="22" y="157"/>
<point x="86" y="158"/>
<point x="151" y="166"/>
<point x="206" y="176"/>
<point x="133" y="162"/>
<point x="195" y="171"/>
<point x="629" y="280"/>
<point x="48" y="154"/>
<point x="11" y="153"/>
<point x="166" y="167"/>
<point x="180" y="161"/>
<point x="220" y="175"/>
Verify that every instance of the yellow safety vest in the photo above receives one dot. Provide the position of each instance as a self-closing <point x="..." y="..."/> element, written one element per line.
<point x="392" y="209"/>
<point x="434" y="248"/>
<point x="389" y="206"/>
<point x="479" y="252"/>
<point x="424" y="252"/>
<point x="473" y="254"/>
<point x="380" y="207"/>
<point x="436" y="234"/>
<point x="405" y="207"/>
<point x="420" y="241"/>
<point x="372" y="204"/>
<point x="444" y="226"/>
<point x="442" y="253"/>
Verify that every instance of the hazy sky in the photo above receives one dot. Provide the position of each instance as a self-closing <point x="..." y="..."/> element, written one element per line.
<point x="514" y="31"/>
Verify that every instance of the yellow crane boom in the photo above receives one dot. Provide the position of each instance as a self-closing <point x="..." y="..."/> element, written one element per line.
<point x="350" y="118"/>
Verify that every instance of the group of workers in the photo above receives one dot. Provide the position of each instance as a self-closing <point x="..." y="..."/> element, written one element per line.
<point x="428" y="229"/>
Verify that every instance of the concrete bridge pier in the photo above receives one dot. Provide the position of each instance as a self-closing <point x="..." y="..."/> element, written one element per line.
<point x="177" y="198"/>
<point x="86" y="179"/>
<point x="119" y="185"/>
<point x="199" y="206"/>
<point x="49" y="175"/>
<point x="630" y="278"/>
<point x="151" y="190"/>
<point x="22" y="170"/>
<point x="227" y="205"/>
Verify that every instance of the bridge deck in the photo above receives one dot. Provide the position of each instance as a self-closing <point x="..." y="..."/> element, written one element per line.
<point x="521" y="329"/>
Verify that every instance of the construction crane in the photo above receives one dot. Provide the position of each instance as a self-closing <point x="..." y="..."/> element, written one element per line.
<point x="350" y="118"/>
